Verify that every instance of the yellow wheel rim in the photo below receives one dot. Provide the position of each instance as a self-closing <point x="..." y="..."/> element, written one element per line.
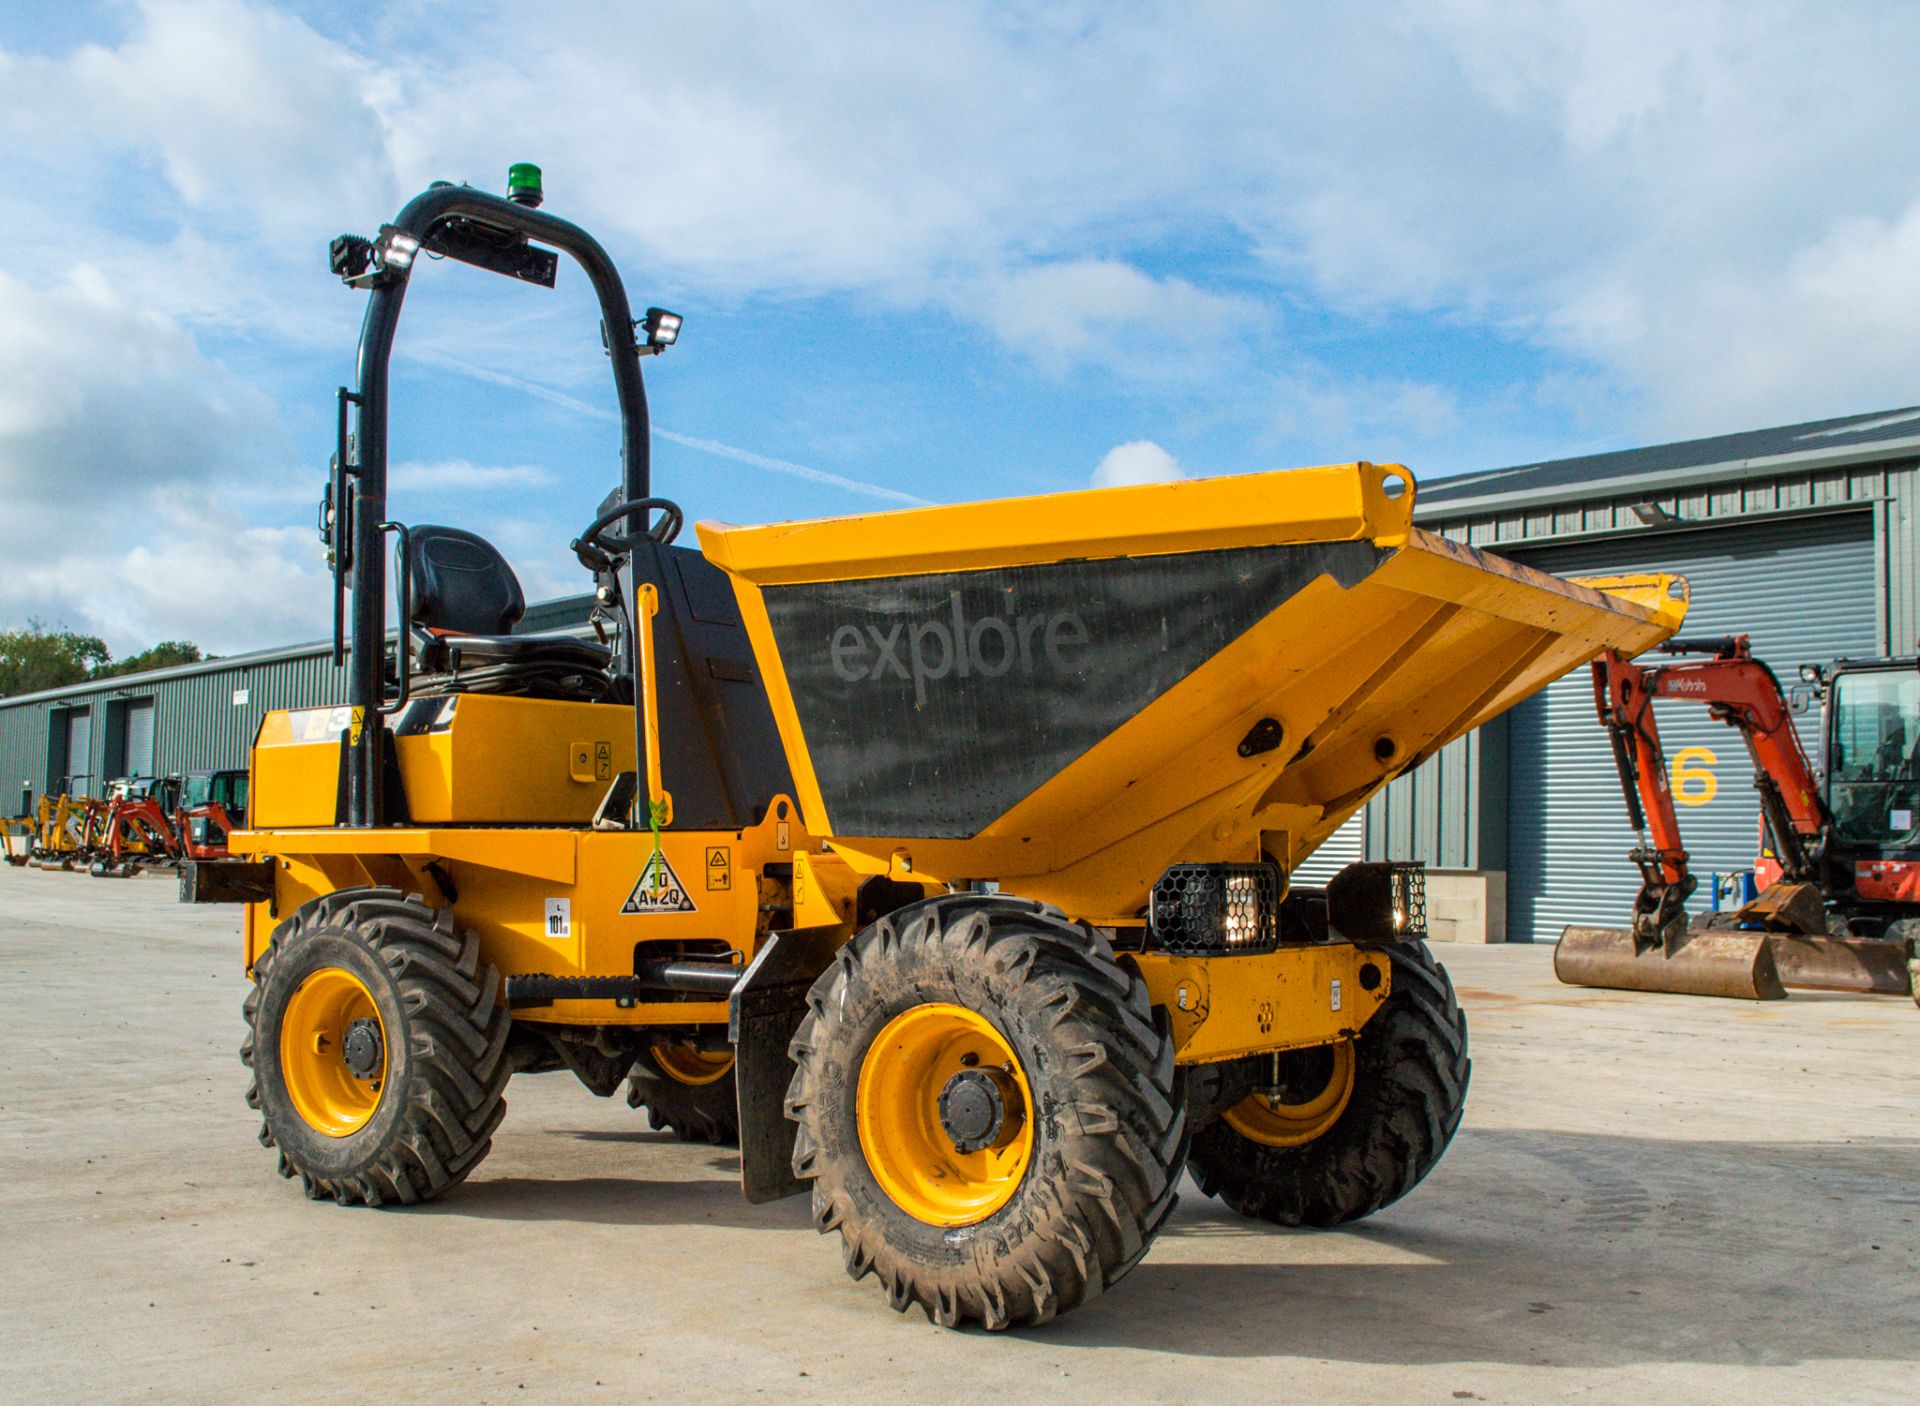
<point x="1278" y="1124"/>
<point x="686" y="1065"/>
<point x="313" y="1060"/>
<point x="897" y="1103"/>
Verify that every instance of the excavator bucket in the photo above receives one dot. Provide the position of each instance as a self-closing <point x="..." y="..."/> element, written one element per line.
<point x="1742" y="959"/>
<point x="1815" y="963"/>
<point x="1068" y="694"/>
<point x="1716" y="963"/>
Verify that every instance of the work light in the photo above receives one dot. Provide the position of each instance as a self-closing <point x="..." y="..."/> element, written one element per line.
<point x="397" y="248"/>
<point x="662" y="328"/>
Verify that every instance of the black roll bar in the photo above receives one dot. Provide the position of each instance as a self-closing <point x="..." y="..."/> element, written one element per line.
<point x="491" y="232"/>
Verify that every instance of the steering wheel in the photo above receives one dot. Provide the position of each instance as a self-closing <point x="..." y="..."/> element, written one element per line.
<point x="596" y="546"/>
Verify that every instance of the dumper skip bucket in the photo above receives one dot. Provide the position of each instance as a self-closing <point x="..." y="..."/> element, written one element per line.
<point x="1066" y="694"/>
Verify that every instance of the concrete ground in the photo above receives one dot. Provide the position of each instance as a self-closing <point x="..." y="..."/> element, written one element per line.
<point x="1653" y="1199"/>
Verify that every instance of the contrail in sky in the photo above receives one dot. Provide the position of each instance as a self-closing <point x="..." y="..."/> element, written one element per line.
<point x="704" y="446"/>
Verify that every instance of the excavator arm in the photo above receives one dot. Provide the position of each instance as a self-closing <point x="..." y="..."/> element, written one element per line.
<point x="1742" y="692"/>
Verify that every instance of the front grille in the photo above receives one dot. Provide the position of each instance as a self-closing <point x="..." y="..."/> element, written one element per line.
<point x="1215" y="910"/>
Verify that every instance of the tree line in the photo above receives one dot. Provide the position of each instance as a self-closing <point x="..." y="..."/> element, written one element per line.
<point x="37" y="657"/>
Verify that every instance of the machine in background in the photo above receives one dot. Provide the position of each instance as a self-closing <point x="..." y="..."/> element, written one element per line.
<point x="1840" y="849"/>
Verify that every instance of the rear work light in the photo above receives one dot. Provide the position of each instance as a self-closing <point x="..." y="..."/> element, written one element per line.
<point x="1379" y="903"/>
<point x="1215" y="910"/>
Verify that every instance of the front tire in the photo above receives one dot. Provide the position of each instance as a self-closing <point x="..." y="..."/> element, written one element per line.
<point x="1349" y="1128"/>
<point x="377" y="1040"/>
<point x="986" y="1110"/>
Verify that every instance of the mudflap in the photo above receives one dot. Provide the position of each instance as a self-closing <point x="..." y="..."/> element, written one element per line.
<point x="763" y="1013"/>
<point x="1712" y="963"/>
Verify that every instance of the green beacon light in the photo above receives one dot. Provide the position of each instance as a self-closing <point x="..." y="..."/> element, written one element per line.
<point x="523" y="184"/>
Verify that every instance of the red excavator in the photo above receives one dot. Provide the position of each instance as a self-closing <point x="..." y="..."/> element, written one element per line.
<point x="158" y="821"/>
<point x="138" y="832"/>
<point x="1840" y="861"/>
<point x="213" y="804"/>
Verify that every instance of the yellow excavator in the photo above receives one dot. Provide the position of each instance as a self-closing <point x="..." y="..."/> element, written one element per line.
<point x="940" y="857"/>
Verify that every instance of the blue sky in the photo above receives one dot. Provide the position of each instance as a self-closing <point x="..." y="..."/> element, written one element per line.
<point x="924" y="253"/>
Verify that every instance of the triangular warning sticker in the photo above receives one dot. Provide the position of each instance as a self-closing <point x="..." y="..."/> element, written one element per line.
<point x="658" y="889"/>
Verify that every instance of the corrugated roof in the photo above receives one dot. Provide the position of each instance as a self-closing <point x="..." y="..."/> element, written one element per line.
<point x="1849" y="439"/>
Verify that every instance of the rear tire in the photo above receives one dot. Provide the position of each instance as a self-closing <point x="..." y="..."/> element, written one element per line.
<point x="1075" y="1167"/>
<point x="686" y="1093"/>
<point x="1409" y="1073"/>
<point x="410" y="1111"/>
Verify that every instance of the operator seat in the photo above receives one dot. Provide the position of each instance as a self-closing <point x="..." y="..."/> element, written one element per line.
<point x="465" y="602"/>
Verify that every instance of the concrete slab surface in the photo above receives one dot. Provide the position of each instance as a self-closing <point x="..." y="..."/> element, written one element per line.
<point x="1653" y="1199"/>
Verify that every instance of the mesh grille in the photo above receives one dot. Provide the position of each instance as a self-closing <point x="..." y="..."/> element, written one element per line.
<point x="1410" y="900"/>
<point x="1215" y="909"/>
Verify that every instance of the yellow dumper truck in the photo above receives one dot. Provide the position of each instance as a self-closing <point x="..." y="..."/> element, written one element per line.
<point x="940" y="857"/>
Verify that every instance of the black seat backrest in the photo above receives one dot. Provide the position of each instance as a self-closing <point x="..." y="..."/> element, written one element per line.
<point x="461" y="584"/>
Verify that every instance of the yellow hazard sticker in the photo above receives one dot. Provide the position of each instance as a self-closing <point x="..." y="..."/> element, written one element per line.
<point x="719" y="868"/>
<point x="356" y="720"/>
<point x="658" y="889"/>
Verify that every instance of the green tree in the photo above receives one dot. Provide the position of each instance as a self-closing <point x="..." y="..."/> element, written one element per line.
<point x="162" y="656"/>
<point x="37" y="658"/>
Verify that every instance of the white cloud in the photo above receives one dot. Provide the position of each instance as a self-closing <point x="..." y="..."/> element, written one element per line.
<point x="1080" y="309"/>
<point x="1598" y="182"/>
<point x="119" y="446"/>
<point x="1383" y="420"/>
<point x="463" y="475"/>
<point x="1135" y="462"/>
<point x="244" y="108"/>
<point x="1687" y="218"/>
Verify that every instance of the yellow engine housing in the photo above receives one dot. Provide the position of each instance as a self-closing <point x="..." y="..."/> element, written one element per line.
<point x="471" y="759"/>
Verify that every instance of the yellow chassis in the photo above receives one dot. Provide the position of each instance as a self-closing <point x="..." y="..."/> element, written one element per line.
<point x="550" y="902"/>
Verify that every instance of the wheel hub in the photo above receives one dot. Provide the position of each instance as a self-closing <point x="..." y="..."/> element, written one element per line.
<point x="1305" y="1093"/>
<point x="972" y="1110"/>
<point x="362" y="1049"/>
<point x="945" y="1114"/>
<point x="333" y="1051"/>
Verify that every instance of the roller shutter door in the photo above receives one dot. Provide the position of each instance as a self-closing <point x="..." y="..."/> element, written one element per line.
<point x="139" y="749"/>
<point x="1344" y="846"/>
<point x="1802" y="588"/>
<point x="79" y="726"/>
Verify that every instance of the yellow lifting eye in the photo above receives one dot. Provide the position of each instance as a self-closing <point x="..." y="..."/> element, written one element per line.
<point x="333" y="1052"/>
<point x="945" y="1115"/>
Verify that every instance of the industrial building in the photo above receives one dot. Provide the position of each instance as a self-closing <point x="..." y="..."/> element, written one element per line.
<point x="1802" y="537"/>
<point x="192" y="717"/>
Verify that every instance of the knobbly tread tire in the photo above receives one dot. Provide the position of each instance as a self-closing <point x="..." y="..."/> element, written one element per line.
<point x="447" y="1066"/>
<point x="1109" y="1121"/>
<point x="1410" y="1086"/>
<point x="707" y="1113"/>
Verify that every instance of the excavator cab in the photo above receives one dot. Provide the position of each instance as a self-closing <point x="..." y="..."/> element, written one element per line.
<point x="1873" y="759"/>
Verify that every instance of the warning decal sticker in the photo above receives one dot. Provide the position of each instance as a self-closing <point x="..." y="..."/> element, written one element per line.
<point x="658" y="889"/>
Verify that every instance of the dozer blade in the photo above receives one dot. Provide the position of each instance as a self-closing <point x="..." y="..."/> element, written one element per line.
<point x="1735" y="964"/>
<point x="1841" y="964"/>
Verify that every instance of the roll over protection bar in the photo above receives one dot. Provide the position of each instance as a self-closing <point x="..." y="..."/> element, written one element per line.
<point x="489" y="232"/>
